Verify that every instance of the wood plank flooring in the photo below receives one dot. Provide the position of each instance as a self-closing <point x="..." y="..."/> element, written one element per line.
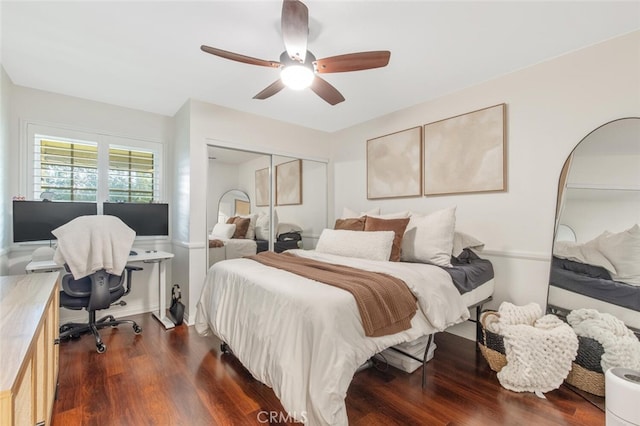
<point x="177" y="377"/>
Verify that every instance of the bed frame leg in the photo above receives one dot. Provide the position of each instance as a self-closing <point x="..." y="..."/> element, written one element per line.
<point x="424" y="361"/>
<point x="478" y="327"/>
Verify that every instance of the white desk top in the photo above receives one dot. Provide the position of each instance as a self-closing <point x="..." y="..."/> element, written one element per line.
<point x="148" y="256"/>
<point x="23" y="299"/>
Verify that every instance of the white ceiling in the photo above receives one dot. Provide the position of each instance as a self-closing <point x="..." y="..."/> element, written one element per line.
<point x="146" y="55"/>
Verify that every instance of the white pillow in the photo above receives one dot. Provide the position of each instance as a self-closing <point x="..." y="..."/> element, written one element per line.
<point x="462" y="241"/>
<point x="623" y="250"/>
<point x="375" y="245"/>
<point x="251" y="230"/>
<point x="347" y="213"/>
<point x="587" y="253"/>
<point x="262" y="228"/>
<point x="222" y="230"/>
<point x="429" y="239"/>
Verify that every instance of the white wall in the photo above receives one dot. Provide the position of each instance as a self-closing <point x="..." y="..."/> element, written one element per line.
<point x="550" y="108"/>
<point x="589" y="211"/>
<point x="5" y="187"/>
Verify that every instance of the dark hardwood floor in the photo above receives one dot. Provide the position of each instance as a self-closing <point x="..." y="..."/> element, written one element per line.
<point x="177" y="377"/>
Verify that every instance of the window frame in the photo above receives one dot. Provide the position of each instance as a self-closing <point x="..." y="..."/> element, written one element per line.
<point x="104" y="142"/>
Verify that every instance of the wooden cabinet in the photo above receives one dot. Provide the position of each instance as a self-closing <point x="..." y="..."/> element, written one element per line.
<point x="29" y="354"/>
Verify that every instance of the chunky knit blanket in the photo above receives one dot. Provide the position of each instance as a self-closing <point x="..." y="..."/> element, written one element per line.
<point x="539" y="349"/>
<point x="621" y="347"/>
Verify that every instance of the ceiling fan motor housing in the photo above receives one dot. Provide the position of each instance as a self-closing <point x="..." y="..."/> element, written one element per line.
<point x="309" y="62"/>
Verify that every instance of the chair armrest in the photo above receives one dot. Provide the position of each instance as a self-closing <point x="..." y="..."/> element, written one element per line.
<point x="130" y="269"/>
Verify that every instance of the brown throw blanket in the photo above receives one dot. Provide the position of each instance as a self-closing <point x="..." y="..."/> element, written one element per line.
<point x="385" y="303"/>
<point x="216" y="243"/>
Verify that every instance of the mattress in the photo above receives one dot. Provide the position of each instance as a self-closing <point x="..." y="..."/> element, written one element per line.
<point x="232" y="249"/>
<point x="569" y="301"/>
<point x="593" y="282"/>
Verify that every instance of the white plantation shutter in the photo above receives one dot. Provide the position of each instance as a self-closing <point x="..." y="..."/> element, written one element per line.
<point x="69" y="169"/>
<point x="84" y="166"/>
<point x="132" y="175"/>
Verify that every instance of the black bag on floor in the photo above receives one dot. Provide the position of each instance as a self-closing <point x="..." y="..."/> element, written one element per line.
<point x="177" y="308"/>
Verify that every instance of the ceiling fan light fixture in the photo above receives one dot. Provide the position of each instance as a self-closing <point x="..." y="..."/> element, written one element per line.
<point x="297" y="77"/>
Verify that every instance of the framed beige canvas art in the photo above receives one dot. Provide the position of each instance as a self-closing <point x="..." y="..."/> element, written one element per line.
<point x="394" y="165"/>
<point x="262" y="187"/>
<point x="242" y="207"/>
<point x="466" y="153"/>
<point x="289" y="183"/>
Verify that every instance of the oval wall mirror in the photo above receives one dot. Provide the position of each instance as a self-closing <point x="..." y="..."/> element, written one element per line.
<point x="598" y="267"/>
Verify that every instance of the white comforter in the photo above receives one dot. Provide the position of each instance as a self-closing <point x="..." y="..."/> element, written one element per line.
<point x="305" y="339"/>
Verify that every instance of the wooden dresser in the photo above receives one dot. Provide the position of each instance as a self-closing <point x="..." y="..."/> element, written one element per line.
<point x="28" y="352"/>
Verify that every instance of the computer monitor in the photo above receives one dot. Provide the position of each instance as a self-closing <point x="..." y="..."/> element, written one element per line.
<point x="34" y="220"/>
<point x="147" y="219"/>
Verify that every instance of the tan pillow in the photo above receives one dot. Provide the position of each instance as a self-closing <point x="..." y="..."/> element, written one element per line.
<point x="351" y="224"/>
<point x="396" y="225"/>
<point x="242" y="226"/>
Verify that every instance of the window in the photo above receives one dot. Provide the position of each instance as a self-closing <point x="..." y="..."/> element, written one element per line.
<point x="76" y="166"/>
<point x="67" y="169"/>
<point x="131" y="175"/>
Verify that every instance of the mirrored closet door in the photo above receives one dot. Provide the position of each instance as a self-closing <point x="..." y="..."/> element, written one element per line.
<point x="283" y="199"/>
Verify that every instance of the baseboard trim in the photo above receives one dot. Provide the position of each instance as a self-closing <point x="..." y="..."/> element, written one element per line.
<point x="116" y="311"/>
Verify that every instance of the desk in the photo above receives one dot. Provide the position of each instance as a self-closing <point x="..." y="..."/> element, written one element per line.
<point x="29" y="356"/>
<point x="144" y="256"/>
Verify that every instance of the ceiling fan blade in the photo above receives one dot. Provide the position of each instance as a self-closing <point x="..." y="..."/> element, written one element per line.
<point x="238" y="57"/>
<point x="270" y="90"/>
<point x="326" y="91"/>
<point x="354" y="61"/>
<point x="295" y="29"/>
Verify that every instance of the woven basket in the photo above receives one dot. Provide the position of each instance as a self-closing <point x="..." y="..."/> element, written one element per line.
<point x="586" y="373"/>
<point x="491" y="345"/>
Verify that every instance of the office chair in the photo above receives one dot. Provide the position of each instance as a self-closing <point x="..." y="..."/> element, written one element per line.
<point x="94" y="292"/>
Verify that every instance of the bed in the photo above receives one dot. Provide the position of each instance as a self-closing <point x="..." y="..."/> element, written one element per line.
<point x="575" y="285"/>
<point x="230" y="248"/>
<point x="305" y="339"/>
<point x="244" y="236"/>
<point x="602" y="274"/>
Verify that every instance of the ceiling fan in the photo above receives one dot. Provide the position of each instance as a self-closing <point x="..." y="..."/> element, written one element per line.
<point x="299" y="67"/>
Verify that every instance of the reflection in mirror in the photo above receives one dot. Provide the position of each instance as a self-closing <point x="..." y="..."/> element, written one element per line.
<point x="597" y="264"/>
<point x="233" y="203"/>
<point x="565" y="233"/>
<point x="231" y="193"/>
<point x="300" y="202"/>
<point x="297" y="188"/>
